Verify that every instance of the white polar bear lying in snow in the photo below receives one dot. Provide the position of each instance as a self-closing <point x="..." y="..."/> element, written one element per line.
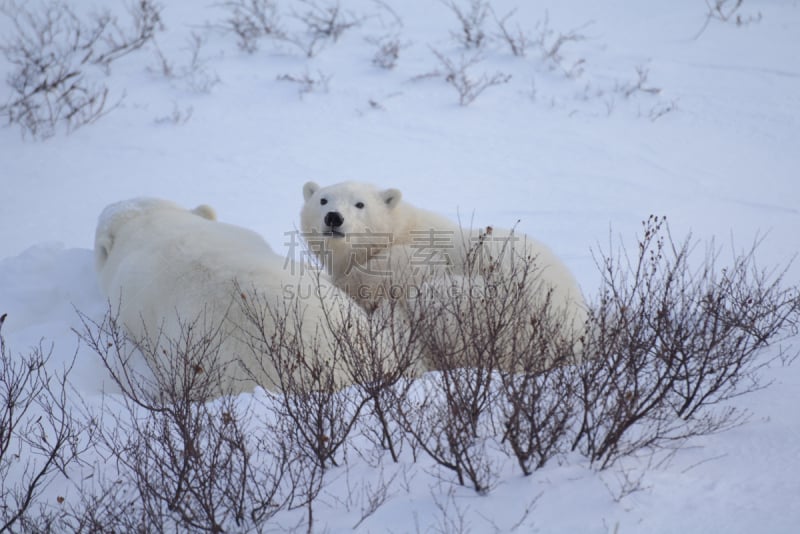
<point x="164" y="268"/>
<point x="376" y="247"/>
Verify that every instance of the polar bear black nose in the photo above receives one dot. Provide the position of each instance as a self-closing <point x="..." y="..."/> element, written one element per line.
<point x="333" y="219"/>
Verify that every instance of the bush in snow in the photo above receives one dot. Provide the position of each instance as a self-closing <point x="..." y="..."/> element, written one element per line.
<point x="517" y="40"/>
<point x="186" y="460"/>
<point x="503" y="358"/>
<point x="252" y="20"/>
<point x="387" y="51"/>
<point x="471" y="19"/>
<point x="458" y="76"/>
<point x="40" y="437"/>
<point x="382" y="358"/>
<point x="307" y="83"/>
<point x="726" y="11"/>
<point x="195" y="73"/>
<point x="52" y="50"/>
<point x="666" y="345"/>
<point x="327" y="20"/>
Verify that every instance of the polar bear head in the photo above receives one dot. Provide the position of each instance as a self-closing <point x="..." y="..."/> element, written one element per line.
<point x="339" y="218"/>
<point x="348" y="208"/>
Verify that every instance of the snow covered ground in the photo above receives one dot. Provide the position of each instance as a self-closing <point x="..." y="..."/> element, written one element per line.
<point x="573" y="146"/>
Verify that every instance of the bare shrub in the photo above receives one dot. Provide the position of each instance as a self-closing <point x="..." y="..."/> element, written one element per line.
<point x="308" y="371"/>
<point x="365" y="493"/>
<point x="195" y="73"/>
<point x="624" y="480"/>
<point x="322" y="23"/>
<point x="308" y="83"/>
<point x="451" y="422"/>
<point x="500" y="322"/>
<point x="640" y="85"/>
<point x="309" y="44"/>
<point x="40" y="437"/>
<point x="51" y="49"/>
<point x="120" y="41"/>
<point x="252" y="20"/>
<point x="381" y="357"/>
<point x="447" y="416"/>
<point x="517" y="40"/>
<point x="326" y="20"/>
<point x="451" y="518"/>
<point x="471" y="19"/>
<point x="667" y="343"/>
<point x="183" y="461"/>
<point x="194" y="463"/>
<point x="665" y="346"/>
<point x="536" y="407"/>
<point x="465" y="324"/>
<point x="157" y="370"/>
<point x="310" y="411"/>
<point x="551" y="44"/>
<point x="719" y="334"/>
<point x="168" y="413"/>
<point x="103" y="505"/>
<point x="491" y="333"/>
<point x="177" y="116"/>
<point x="468" y="87"/>
<point x="387" y="51"/>
<point x="661" y="109"/>
<point x="374" y="496"/>
<point x="726" y="11"/>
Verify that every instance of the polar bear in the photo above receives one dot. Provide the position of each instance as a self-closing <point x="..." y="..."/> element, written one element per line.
<point x="180" y="281"/>
<point x="357" y="231"/>
<point x="376" y="247"/>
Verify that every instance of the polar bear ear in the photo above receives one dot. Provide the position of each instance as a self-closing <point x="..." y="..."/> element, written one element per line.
<point x="309" y="189"/>
<point x="205" y="211"/>
<point x="391" y="197"/>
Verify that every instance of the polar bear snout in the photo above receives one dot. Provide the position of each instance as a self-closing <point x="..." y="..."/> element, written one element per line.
<point x="333" y="220"/>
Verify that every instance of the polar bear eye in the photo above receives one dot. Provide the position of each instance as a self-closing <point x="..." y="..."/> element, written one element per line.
<point x="323" y="201"/>
<point x="360" y="205"/>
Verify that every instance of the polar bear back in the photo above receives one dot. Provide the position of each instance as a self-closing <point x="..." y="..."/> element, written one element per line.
<point x="164" y="267"/>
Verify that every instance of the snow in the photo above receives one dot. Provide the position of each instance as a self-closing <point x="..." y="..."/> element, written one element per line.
<point x="572" y="158"/>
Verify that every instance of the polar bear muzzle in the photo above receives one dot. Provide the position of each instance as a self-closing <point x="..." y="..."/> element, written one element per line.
<point x="333" y="220"/>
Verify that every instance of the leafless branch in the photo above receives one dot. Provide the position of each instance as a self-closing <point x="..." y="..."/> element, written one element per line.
<point x="668" y="343"/>
<point x="51" y="49"/>
<point x="40" y="437"/>
<point x="726" y="11"/>
<point x="471" y="19"/>
<point x="469" y="88"/>
<point x="517" y="40"/>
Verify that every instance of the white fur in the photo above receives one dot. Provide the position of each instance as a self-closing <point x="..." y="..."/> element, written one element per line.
<point x="162" y="265"/>
<point x="410" y="246"/>
<point x="385" y="222"/>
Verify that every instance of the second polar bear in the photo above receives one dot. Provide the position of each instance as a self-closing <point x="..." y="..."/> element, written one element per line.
<point x="181" y="282"/>
<point x="376" y="246"/>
